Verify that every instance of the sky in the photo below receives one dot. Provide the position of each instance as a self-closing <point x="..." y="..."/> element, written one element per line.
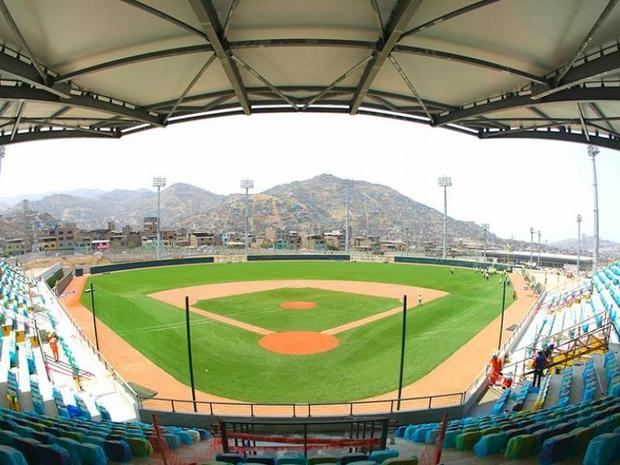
<point x="511" y="184"/>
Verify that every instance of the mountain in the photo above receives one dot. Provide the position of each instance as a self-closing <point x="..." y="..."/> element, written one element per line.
<point x="128" y="206"/>
<point x="308" y="206"/>
<point x="319" y="203"/>
<point x="587" y="243"/>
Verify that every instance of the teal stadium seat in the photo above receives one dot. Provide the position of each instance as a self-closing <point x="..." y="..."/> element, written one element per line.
<point x="603" y="450"/>
<point x="11" y="456"/>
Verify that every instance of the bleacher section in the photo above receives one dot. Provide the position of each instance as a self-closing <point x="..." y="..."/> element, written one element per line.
<point x="553" y="433"/>
<point x="61" y="411"/>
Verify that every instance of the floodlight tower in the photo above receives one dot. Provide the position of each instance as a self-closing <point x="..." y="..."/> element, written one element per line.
<point x="159" y="182"/>
<point x="593" y="151"/>
<point x="579" y="219"/>
<point x="2" y="152"/>
<point x="532" y="231"/>
<point x="539" y="247"/>
<point x="445" y="182"/>
<point x="346" y="219"/>
<point x="247" y="184"/>
<point x="485" y="226"/>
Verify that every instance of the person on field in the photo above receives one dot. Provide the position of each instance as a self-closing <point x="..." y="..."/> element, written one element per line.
<point x="53" y="342"/>
<point x="452" y="271"/>
<point x="540" y="363"/>
<point x="419" y="299"/>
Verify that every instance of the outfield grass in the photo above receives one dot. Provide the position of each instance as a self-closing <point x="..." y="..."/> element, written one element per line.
<point x="228" y="361"/>
<point x="332" y="308"/>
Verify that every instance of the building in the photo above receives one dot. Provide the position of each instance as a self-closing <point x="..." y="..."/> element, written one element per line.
<point x="149" y="227"/>
<point x="15" y="246"/>
<point x="66" y="235"/>
<point x="204" y="239"/>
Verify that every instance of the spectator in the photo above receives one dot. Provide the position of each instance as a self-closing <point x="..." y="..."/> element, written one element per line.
<point x="53" y="342"/>
<point x="540" y="363"/>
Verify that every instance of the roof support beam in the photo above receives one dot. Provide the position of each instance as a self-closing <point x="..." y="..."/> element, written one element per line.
<point x="400" y="18"/>
<point x="231" y="10"/>
<point x="17" y="93"/>
<point x="166" y="17"/>
<point x="592" y="69"/>
<point x="600" y="114"/>
<point x="20" y="70"/>
<point x="213" y="29"/>
<point x="4" y="10"/>
<point x="556" y="135"/>
<point x="404" y="77"/>
<point x="43" y="122"/>
<point x="588" y="94"/>
<point x="469" y="61"/>
<point x="171" y="52"/>
<point x="190" y="86"/>
<point x="46" y="135"/>
<point x="582" y="119"/>
<point x="264" y="80"/>
<point x="447" y="16"/>
<point x="337" y="81"/>
<point x="18" y="119"/>
<point x="586" y="41"/>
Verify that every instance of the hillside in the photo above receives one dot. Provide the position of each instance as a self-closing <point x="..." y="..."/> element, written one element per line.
<point x="310" y="205"/>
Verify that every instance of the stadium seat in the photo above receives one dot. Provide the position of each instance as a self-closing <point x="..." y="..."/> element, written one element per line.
<point x="321" y="459"/>
<point x="350" y="458"/>
<point x="521" y="446"/>
<point x="603" y="449"/>
<point x="117" y="451"/>
<point x="402" y="461"/>
<point x="52" y="454"/>
<point x="557" y="448"/>
<point x="7" y="437"/>
<point x="263" y="459"/>
<point x="491" y="444"/>
<point x="229" y="458"/>
<point x="381" y="456"/>
<point x="11" y="456"/>
<point x="467" y="441"/>
<point x="140" y="447"/>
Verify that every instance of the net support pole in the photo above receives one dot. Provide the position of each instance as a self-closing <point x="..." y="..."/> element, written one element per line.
<point x="402" y="352"/>
<point x="94" y="312"/>
<point x="501" y="323"/>
<point x="189" y="354"/>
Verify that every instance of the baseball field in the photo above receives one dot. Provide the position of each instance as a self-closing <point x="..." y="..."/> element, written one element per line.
<point x="297" y="331"/>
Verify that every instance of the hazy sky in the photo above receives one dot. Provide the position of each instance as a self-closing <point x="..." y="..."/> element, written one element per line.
<point x="510" y="184"/>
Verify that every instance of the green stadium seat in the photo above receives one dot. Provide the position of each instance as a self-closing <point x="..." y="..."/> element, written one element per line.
<point x="322" y="459"/>
<point x="521" y="446"/>
<point x="603" y="449"/>
<point x="381" y="456"/>
<point x="467" y="441"/>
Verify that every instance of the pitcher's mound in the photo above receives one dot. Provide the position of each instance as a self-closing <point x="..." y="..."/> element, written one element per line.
<point x="299" y="342"/>
<point x="298" y="305"/>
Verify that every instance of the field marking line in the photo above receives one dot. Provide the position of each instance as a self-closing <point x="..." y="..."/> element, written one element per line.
<point x="218" y="290"/>
<point x="231" y="321"/>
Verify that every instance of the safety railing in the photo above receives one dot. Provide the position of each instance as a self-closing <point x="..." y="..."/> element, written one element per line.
<point x="305" y="410"/>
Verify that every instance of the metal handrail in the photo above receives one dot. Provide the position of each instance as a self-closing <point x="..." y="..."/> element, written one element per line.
<point x="297" y="408"/>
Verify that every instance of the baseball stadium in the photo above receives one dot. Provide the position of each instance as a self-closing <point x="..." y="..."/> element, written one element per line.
<point x="307" y="357"/>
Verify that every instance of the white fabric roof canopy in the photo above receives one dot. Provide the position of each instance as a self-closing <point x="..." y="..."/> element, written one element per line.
<point x="490" y="68"/>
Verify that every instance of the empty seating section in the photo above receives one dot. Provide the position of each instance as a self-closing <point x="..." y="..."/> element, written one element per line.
<point x="43" y="439"/>
<point x="553" y="433"/>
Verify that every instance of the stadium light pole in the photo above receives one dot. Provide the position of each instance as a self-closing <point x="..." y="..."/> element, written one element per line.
<point x="346" y="219"/>
<point x="539" y="247"/>
<point x="579" y="219"/>
<point x="486" y="229"/>
<point x="159" y="182"/>
<point x="247" y="184"/>
<point x="532" y="247"/>
<point x="91" y="291"/>
<point x="445" y="182"/>
<point x="402" y="352"/>
<point x="189" y="354"/>
<point x="593" y="151"/>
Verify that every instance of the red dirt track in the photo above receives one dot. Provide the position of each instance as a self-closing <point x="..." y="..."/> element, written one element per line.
<point x="297" y="305"/>
<point x="298" y="342"/>
<point x="455" y="374"/>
